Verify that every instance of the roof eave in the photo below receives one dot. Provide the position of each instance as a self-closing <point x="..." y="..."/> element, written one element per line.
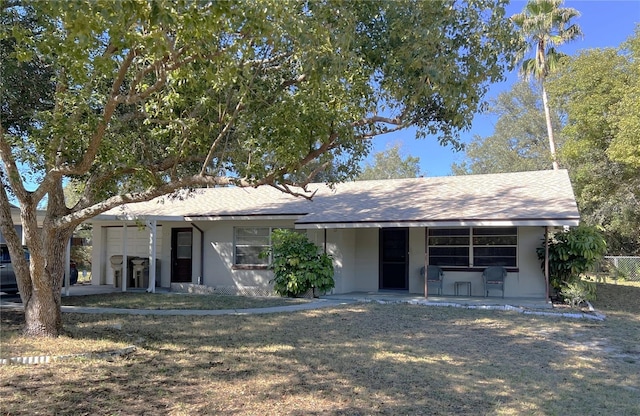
<point x="553" y="222"/>
<point x="131" y="217"/>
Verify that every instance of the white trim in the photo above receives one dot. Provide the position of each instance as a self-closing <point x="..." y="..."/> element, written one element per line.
<point x="152" y="226"/>
<point x="135" y="217"/>
<point x="259" y="217"/>
<point x="444" y="224"/>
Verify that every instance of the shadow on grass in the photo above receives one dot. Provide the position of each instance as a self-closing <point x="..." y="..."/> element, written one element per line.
<point x="357" y="359"/>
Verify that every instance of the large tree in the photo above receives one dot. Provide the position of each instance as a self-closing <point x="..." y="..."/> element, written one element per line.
<point x="390" y="164"/>
<point x="518" y="141"/>
<point x="598" y="91"/>
<point x="148" y="97"/>
<point x="544" y="25"/>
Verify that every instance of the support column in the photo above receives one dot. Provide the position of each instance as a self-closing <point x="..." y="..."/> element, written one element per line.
<point x="546" y="263"/>
<point x="426" y="262"/>
<point x="152" y="226"/>
<point x="124" y="257"/>
<point x="67" y="268"/>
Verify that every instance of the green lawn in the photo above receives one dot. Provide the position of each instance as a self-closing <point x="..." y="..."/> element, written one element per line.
<point x="354" y="359"/>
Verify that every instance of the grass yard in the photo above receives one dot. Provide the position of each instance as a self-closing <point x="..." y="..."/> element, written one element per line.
<point x="177" y="301"/>
<point x="356" y="359"/>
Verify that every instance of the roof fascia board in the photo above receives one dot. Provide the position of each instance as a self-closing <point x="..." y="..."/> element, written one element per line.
<point x="444" y="224"/>
<point x="121" y="218"/>
<point x="241" y="217"/>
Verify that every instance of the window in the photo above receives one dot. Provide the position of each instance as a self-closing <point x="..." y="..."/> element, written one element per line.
<point x="449" y="246"/>
<point x="468" y="247"/>
<point x="495" y="247"/>
<point x="183" y="245"/>
<point x="250" y="242"/>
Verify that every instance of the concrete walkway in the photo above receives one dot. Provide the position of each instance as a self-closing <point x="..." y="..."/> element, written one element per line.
<point x="81" y="290"/>
<point x="532" y="306"/>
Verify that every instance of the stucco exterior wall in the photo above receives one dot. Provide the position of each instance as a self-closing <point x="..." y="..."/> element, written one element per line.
<point x="530" y="281"/>
<point x="355" y="253"/>
<point x="218" y="256"/>
<point x="417" y="252"/>
<point x="367" y="253"/>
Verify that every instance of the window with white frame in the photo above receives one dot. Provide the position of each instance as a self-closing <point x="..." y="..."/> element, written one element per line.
<point x="476" y="246"/>
<point x="250" y="242"/>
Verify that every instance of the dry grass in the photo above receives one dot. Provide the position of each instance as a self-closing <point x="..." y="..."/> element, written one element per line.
<point x="176" y="301"/>
<point x="354" y="359"/>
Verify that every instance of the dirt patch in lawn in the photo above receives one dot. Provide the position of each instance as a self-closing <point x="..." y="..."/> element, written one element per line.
<point x="354" y="359"/>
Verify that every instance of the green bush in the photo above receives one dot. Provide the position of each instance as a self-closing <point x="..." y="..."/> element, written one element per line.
<point x="571" y="253"/>
<point x="297" y="265"/>
<point x="576" y="292"/>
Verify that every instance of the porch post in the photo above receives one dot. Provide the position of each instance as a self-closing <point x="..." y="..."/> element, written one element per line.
<point x="67" y="268"/>
<point x="124" y="276"/>
<point x="546" y="263"/>
<point x="152" y="255"/>
<point x="426" y="261"/>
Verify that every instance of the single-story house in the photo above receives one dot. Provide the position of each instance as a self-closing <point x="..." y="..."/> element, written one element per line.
<point x="381" y="233"/>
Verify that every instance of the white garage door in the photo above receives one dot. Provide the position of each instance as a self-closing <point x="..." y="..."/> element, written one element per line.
<point x="137" y="245"/>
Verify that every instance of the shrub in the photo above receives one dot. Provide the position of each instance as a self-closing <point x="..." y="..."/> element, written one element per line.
<point x="578" y="291"/>
<point x="297" y="265"/>
<point x="571" y="253"/>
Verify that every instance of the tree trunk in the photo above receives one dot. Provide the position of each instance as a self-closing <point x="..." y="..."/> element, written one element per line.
<point x="547" y="114"/>
<point x="43" y="316"/>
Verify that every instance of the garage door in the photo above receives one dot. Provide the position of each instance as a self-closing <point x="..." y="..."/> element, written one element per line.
<point x="137" y="245"/>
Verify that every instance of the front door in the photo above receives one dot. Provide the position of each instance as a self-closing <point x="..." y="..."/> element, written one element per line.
<point x="181" y="250"/>
<point x="394" y="258"/>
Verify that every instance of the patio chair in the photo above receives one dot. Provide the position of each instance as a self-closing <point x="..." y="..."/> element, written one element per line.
<point x="493" y="278"/>
<point x="434" y="277"/>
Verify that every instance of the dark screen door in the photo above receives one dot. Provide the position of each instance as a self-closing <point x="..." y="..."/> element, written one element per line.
<point x="181" y="253"/>
<point x="394" y="256"/>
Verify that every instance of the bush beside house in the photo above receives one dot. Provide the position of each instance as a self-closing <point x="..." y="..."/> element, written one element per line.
<point x="297" y="265"/>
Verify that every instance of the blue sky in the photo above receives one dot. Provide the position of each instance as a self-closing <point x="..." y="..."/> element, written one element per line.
<point x="605" y="23"/>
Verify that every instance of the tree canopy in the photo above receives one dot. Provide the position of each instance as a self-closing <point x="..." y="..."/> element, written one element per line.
<point x="147" y="97"/>
<point x="544" y="25"/>
<point x="596" y="90"/>
<point x="592" y="94"/>
<point x="518" y="142"/>
<point x="389" y="164"/>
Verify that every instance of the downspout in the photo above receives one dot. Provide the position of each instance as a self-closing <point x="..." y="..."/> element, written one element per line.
<point x="201" y="277"/>
<point x="546" y="263"/>
<point x="325" y="241"/>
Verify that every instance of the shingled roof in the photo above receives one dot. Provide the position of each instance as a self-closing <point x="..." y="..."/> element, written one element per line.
<point x="524" y="198"/>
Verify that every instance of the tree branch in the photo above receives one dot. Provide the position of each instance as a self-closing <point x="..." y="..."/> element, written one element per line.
<point x="12" y="171"/>
<point x="79" y="216"/>
<point x="94" y="144"/>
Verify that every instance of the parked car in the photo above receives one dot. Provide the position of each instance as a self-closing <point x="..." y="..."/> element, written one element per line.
<point x="8" y="283"/>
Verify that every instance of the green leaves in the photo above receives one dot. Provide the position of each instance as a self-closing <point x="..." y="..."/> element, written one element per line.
<point x="596" y="89"/>
<point x="572" y="253"/>
<point x="146" y="94"/>
<point x="390" y="165"/>
<point x="543" y="25"/>
<point x="297" y="265"/>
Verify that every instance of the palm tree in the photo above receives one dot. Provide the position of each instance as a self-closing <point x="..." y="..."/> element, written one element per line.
<point x="544" y="25"/>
